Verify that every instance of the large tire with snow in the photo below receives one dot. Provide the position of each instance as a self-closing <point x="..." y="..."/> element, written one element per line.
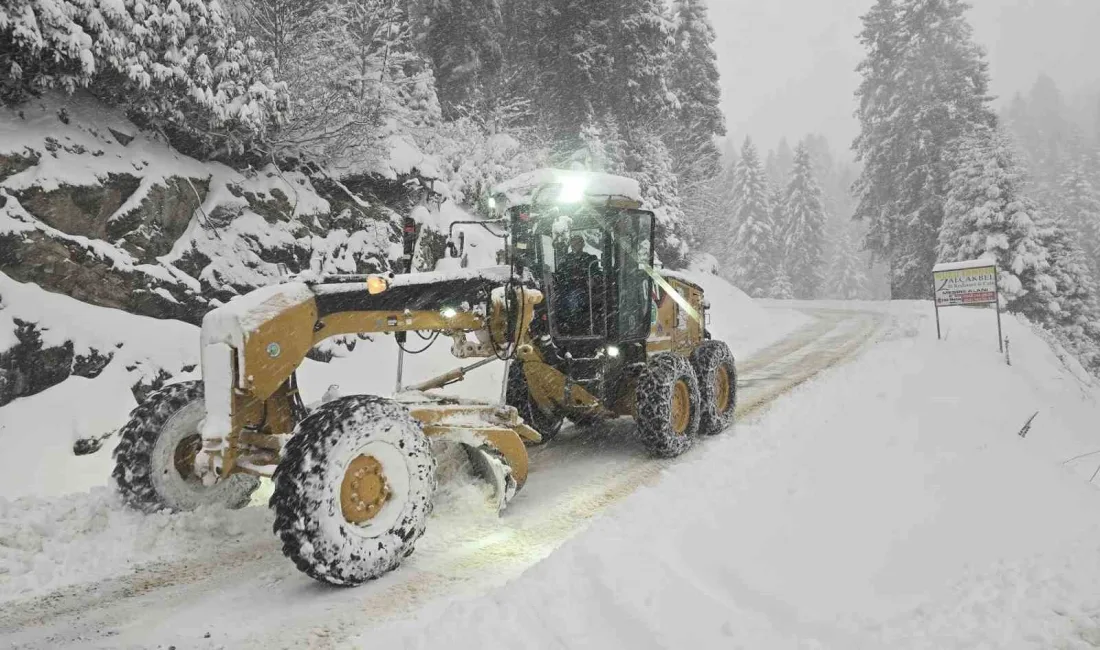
<point x="519" y="396"/>
<point x="154" y="459"/>
<point x="353" y="490"/>
<point x="667" y="403"/>
<point x="717" y="374"/>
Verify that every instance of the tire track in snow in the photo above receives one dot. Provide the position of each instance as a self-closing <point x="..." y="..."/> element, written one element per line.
<point x="252" y="596"/>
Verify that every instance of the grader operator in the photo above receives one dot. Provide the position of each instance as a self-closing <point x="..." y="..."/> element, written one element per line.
<point x="587" y="328"/>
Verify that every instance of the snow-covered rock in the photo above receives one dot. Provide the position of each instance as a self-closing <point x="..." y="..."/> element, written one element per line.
<point x="93" y="208"/>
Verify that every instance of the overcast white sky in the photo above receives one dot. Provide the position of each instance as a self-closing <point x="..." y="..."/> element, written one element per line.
<point x="788" y="65"/>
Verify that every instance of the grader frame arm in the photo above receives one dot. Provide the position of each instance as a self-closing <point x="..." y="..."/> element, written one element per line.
<point x="252" y="348"/>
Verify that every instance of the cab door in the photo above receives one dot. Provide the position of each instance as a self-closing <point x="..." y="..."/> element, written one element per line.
<point x="634" y="262"/>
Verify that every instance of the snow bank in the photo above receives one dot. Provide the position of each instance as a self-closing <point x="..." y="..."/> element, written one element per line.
<point x="51" y="543"/>
<point x="162" y="344"/>
<point x="739" y="320"/>
<point x="95" y="142"/>
<point x="37" y="432"/>
<point x="891" y="503"/>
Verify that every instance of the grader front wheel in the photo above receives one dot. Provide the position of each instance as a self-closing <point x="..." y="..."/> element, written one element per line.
<point x="354" y="490"/>
<point x="667" y="401"/>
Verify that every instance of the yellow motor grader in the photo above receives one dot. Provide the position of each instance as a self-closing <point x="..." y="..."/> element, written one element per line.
<point x="585" y="326"/>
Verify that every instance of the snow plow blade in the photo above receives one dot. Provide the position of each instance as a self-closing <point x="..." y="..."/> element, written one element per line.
<point x="493" y="437"/>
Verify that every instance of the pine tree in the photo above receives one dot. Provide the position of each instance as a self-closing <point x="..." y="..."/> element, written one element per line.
<point x="354" y="80"/>
<point x="1043" y="273"/>
<point x="603" y="148"/>
<point x="803" y="232"/>
<point x="713" y="226"/>
<point x="754" y="244"/>
<point x="986" y="215"/>
<point x="573" y="67"/>
<point x="699" y="120"/>
<point x="175" y="67"/>
<point x="781" y="288"/>
<point x="509" y="96"/>
<point x="1073" y="314"/>
<point x="847" y="279"/>
<point x="287" y="29"/>
<point x="649" y="162"/>
<point x="924" y="85"/>
<point x="1080" y="201"/>
<point x="1050" y="136"/>
<point x="641" y="34"/>
<point x="462" y="40"/>
<point x="780" y="163"/>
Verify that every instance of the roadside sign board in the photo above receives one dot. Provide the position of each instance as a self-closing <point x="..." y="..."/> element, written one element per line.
<point x="970" y="282"/>
<point x="966" y="286"/>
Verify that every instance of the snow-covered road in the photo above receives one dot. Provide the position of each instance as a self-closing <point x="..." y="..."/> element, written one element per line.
<point x="243" y="593"/>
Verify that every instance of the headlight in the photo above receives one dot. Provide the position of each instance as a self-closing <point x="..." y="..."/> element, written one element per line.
<point x="572" y="189"/>
<point x="377" y="284"/>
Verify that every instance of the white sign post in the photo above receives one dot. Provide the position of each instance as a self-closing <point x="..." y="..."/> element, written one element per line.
<point x="973" y="282"/>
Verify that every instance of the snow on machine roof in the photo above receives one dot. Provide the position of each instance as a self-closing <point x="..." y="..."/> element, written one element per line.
<point x="550" y="185"/>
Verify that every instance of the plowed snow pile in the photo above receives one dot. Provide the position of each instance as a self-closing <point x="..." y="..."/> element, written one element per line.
<point x="892" y="503"/>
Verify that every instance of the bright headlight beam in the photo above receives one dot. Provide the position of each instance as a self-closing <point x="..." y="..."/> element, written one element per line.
<point x="612" y="351"/>
<point x="448" y="312"/>
<point x="572" y="189"/>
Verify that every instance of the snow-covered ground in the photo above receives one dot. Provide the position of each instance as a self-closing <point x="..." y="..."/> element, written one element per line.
<point x="165" y="580"/>
<point x="890" y="504"/>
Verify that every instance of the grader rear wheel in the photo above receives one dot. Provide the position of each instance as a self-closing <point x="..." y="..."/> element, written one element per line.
<point x="354" y="490"/>
<point x="717" y="373"/>
<point x="155" y="456"/>
<point x="681" y="407"/>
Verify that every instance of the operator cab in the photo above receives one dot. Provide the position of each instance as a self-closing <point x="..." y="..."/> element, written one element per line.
<point x="592" y="261"/>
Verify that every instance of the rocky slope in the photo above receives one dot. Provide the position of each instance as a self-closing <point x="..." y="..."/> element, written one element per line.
<point x="95" y="209"/>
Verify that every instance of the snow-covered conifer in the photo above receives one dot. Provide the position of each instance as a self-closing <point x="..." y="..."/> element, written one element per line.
<point x="781" y="288"/>
<point x="802" y="234"/>
<point x="649" y="161"/>
<point x="694" y="80"/>
<point x="1080" y="201"/>
<point x="175" y="66"/>
<point x="641" y="36"/>
<point x="754" y="242"/>
<point x="986" y="215"/>
<point x="779" y="163"/>
<point x="925" y="83"/>
<point x="847" y="277"/>
<point x="1075" y="316"/>
<point x="572" y="67"/>
<point x="463" y="40"/>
